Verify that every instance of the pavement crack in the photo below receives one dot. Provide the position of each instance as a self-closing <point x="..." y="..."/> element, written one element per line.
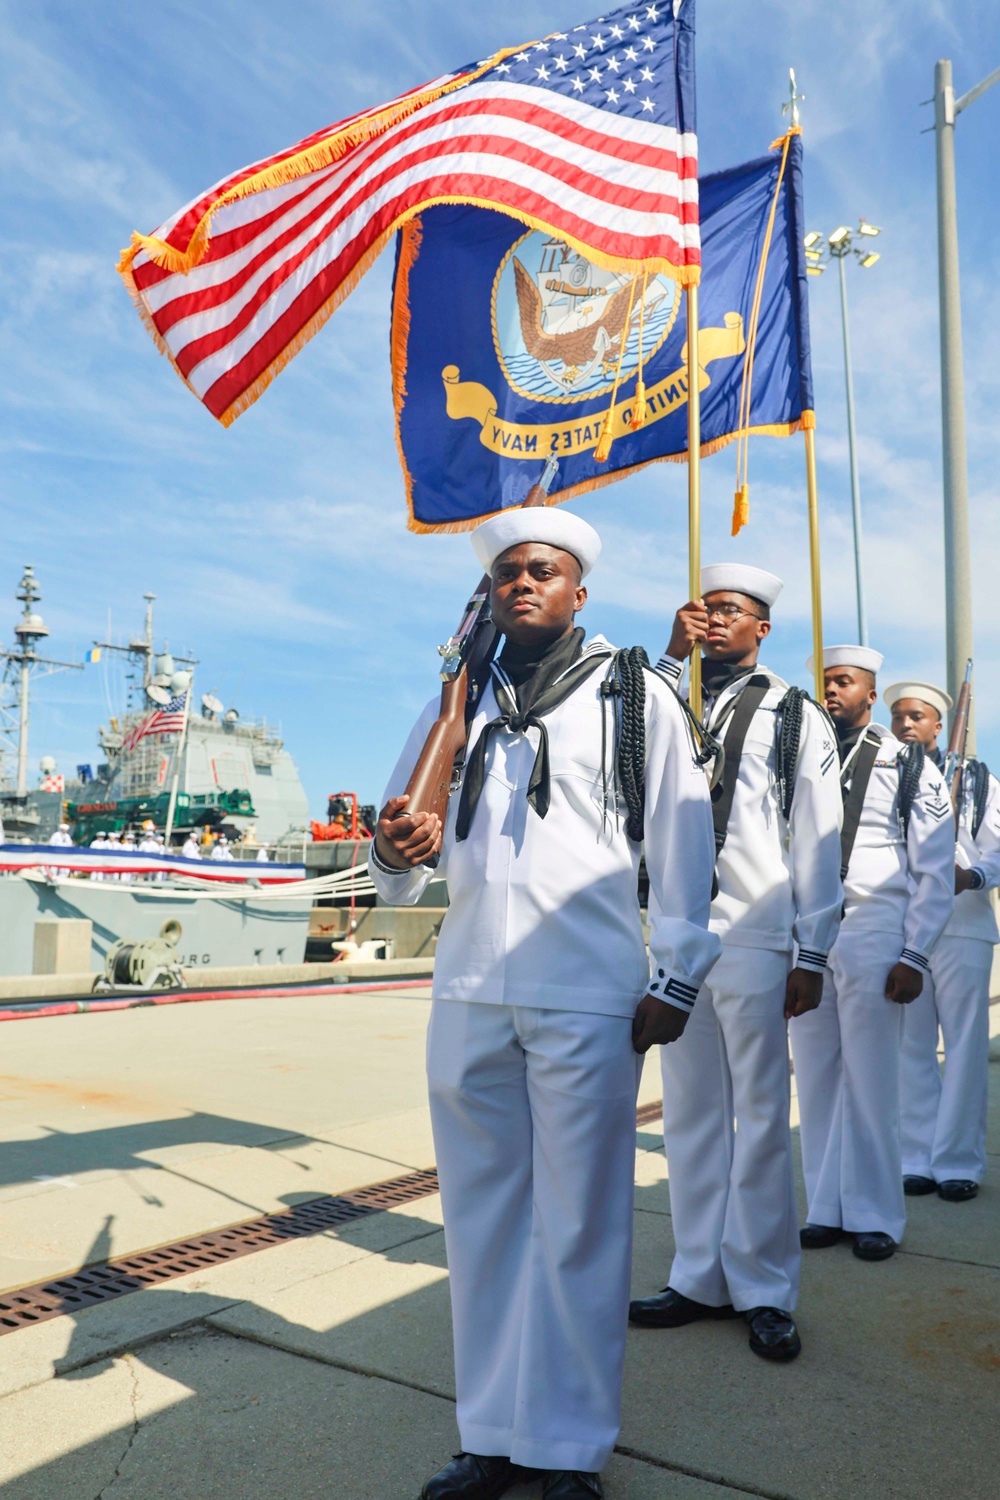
<point x="708" y="1476"/>
<point x="288" y="1347"/>
<point x="133" y="1369"/>
<point x="949" y="1260"/>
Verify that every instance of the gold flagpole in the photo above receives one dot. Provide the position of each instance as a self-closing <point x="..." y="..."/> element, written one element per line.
<point x="814" y="575"/>
<point x="694" y="483"/>
<point x="791" y="108"/>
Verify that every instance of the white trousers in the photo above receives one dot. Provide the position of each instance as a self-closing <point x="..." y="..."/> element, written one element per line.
<point x="534" y="1129"/>
<point x="847" y="1072"/>
<point x="726" y="1100"/>
<point x="944" y="1124"/>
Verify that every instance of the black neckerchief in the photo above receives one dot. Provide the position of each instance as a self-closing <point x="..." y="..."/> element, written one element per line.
<point x="848" y="738"/>
<point x="546" y="680"/>
<point x="716" y="676"/>
<point x="531" y="669"/>
<point x="936" y="757"/>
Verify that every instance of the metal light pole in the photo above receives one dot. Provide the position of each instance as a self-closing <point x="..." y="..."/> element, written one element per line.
<point x="840" y="244"/>
<point x="957" y="572"/>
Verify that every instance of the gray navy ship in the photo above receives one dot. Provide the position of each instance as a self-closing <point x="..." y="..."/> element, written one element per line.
<point x="221" y="773"/>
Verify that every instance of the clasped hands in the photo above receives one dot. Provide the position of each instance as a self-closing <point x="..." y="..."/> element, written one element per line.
<point x="405" y="840"/>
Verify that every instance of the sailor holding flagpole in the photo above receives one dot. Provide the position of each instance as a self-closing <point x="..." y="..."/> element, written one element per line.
<point x="726" y="1090"/>
<point x="544" y="1002"/>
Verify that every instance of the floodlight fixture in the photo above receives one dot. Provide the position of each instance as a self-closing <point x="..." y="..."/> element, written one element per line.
<point x="815" y="270"/>
<point x="812" y="238"/>
<point x="814" y="255"/>
<point x="840" y="235"/>
<point x="869" y="260"/>
<point x="865" y="228"/>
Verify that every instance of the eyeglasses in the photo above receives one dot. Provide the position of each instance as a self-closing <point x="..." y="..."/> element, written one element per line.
<point x="729" y="611"/>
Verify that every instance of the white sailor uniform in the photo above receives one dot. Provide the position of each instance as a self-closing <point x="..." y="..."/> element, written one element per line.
<point x="944" y="1122"/>
<point x="726" y="1084"/>
<point x="898" y="897"/>
<point x="191" y="849"/>
<point x="539" y="968"/>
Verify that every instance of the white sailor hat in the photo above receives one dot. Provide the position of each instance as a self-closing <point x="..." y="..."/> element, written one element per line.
<point x="556" y="528"/>
<point x="741" y="578"/>
<point x="849" y="656"/>
<point x="935" y="697"/>
<point x="64" y="827"/>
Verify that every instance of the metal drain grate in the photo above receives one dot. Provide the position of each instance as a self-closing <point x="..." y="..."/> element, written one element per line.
<point x="115" y="1278"/>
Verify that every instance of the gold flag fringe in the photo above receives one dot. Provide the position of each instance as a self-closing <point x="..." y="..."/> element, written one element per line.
<point x="411" y="237"/>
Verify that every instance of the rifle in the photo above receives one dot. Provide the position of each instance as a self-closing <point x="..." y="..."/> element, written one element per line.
<point x="954" y="761"/>
<point x="465" y="653"/>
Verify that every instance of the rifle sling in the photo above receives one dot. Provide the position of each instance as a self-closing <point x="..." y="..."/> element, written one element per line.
<point x="855" y="801"/>
<point x="747" y="702"/>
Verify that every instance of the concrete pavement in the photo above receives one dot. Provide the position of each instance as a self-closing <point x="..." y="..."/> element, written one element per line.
<point x="323" y="1367"/>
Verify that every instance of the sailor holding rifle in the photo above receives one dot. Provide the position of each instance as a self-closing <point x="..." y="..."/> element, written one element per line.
<point x="944" y="1123"/>
<point x="726" y="1087"/>
<point x="544" y="1003"/>
<point x="898" y="857"/>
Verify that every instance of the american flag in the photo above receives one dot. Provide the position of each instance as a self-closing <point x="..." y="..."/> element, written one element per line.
<point x="588" y="134"/>
<point x="169" y="719"/>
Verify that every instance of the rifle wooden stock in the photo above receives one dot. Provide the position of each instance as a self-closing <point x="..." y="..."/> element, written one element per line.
<point x="429" y="787"/>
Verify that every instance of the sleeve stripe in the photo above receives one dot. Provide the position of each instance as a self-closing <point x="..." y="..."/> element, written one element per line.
<point x="685" y="994"/>
<point x="914" y="959"/>
<point x="810" y="958"/>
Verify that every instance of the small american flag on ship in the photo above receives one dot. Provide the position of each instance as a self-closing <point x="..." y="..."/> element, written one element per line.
<point x="169" y="719"/>
<point x="587" y="134"/>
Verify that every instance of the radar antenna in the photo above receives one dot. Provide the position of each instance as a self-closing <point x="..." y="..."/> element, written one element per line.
<point x="21" y="664"/>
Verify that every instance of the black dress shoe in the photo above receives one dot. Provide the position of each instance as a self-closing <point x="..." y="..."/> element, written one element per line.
<point x="957" y="1190"/>
<point x="773" y="1334"/>
<point x="917" y="1187"/>
<point x="819" y="1236"/>
<point x="471" y="1476"/>
<point x="669" y="1309"/>
<point x="571" y="1484"/>
<point x="874" y="1246"/>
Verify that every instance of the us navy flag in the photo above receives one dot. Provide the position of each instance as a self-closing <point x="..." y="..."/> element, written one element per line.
<point x="507" y="343"/>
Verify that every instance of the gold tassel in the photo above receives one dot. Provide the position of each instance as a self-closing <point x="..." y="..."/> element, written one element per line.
<point x="603" y="450"/>
<point x="741" y="509"/>
<point x="639" y="408"/>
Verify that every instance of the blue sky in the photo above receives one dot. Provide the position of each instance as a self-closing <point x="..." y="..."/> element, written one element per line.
<point x="278" y="550"/>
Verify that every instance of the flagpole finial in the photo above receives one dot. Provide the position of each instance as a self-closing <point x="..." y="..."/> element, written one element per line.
<point x="794" y="100"/>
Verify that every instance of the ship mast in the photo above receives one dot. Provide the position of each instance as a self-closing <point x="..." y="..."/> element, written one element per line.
<point x="24" y="660"/>
<point x="143" y="647"/>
